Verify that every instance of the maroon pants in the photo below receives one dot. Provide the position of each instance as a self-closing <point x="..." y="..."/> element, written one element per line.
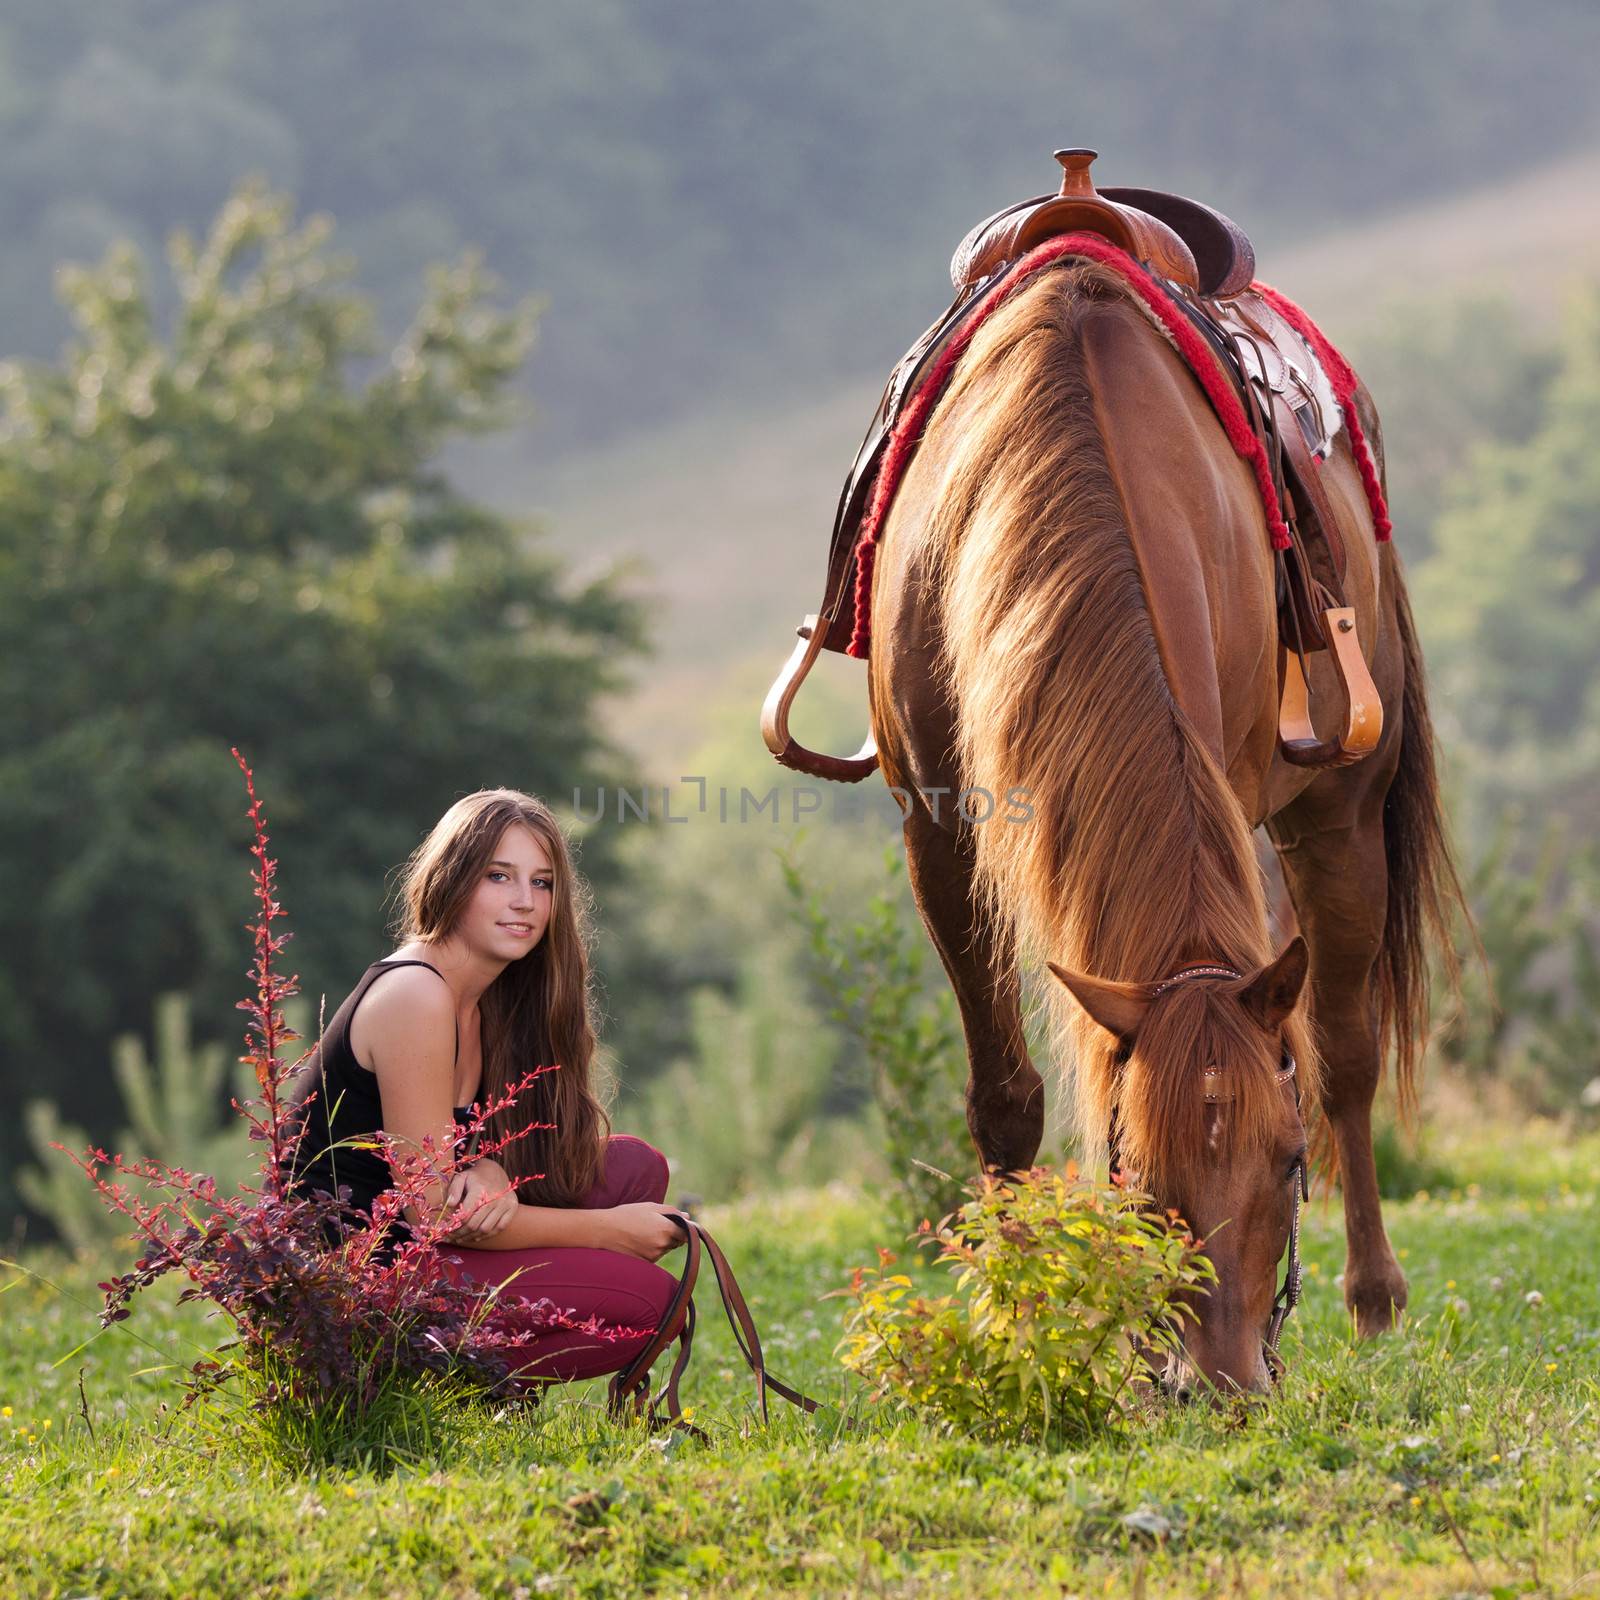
<point x="619" y="1291"/>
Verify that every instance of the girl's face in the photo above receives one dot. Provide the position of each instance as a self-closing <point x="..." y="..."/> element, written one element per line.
<point x="510" y="909"/>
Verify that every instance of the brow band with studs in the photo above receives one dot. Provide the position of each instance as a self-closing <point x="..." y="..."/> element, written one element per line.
<point x="1280" y="1077"/>
<point x="1193" y="972"/>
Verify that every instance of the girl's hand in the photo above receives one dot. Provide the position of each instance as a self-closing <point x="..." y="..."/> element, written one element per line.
<point x="644" y="1229"/>
<point x="484" y="1200"/>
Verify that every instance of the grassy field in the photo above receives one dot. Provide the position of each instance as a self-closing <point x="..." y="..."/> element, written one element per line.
<point x="1460" y="1456"/>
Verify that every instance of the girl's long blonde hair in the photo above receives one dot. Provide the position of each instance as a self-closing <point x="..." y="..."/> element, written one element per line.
<point x="539" y="1011"/>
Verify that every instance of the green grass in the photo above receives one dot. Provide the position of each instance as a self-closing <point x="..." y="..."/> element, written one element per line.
<point x="1459" y="1456"/>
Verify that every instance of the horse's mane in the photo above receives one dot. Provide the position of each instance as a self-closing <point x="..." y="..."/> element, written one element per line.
<point x="1138" y="858"/>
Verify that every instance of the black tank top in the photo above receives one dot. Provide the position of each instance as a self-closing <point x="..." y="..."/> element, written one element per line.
<point x="347" y="1106"/>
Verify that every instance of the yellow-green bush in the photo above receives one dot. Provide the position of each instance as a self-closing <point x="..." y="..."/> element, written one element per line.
<point x="1066" y="1290"/>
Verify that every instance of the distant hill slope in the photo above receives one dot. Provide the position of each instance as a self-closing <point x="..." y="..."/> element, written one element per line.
<point x="732" y="512"/>
<point x="682" y="181"/>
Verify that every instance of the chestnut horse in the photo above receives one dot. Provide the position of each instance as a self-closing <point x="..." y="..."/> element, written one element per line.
<point x="1074" y="597"/>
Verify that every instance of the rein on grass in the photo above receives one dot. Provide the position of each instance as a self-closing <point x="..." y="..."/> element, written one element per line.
<point x="632" y="1383"/>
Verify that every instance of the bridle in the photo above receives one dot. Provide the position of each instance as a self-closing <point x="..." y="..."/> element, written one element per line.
<point x="1288" y="1295"/>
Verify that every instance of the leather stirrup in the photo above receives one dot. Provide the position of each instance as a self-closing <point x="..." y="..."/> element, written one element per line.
<point x="775" y="717"/>
<point x="1363" y="724"/>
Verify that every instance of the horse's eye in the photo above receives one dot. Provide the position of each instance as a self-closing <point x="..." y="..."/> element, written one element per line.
<point x="1296" y="1164"/>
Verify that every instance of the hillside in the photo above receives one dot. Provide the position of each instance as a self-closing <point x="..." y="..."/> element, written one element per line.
<point x="681" y="184"/>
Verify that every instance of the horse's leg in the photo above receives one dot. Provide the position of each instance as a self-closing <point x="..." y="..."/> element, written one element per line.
<point x="1005" y="1094"/>
<point x="1330" y="841"/>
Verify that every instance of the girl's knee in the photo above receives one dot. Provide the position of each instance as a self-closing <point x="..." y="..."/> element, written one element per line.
<point x="635" y="1169"/>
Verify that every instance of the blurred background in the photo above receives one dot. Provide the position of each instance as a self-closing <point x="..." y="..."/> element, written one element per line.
<point x="425" y="398"/>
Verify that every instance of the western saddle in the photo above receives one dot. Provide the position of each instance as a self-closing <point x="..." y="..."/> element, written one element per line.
<point x="1207" y="268"/>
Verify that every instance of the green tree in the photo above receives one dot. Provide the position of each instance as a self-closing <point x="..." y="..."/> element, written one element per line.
<point x="746" y="1108"/>
<point x="178" y="1113"/>
<point x="224" y="536"/>
<point x="886" y="992"/>
<point x="1449" y="376"/>
<point x="1510" y="601"/>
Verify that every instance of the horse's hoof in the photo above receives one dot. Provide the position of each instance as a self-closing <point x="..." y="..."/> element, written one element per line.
<point x="1376" y="1306"/>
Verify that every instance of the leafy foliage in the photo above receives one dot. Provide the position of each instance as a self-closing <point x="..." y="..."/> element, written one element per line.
<point x="1528" y="1018"/>
<point x="1064" y="1291"/>
<point x="745" y="1109"/>
<point x="176" y="1110"/>
<point x="219" y="536"/>
<point x="1451" y="376"/>
<point x="873" y="973"/>
<point x="1511" y="604"/>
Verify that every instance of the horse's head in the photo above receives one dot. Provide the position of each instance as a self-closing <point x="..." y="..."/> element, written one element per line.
<point x="1204" y="1112"/>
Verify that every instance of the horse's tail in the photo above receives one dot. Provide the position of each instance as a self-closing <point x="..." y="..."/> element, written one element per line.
<point x="1425" y="891"/>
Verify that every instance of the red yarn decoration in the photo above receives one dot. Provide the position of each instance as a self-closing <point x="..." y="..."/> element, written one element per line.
<point x="1202" y="362"/>
<point x="908" y="430"/>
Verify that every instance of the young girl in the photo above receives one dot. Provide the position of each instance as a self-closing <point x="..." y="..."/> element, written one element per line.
<point x="490" y="981"/>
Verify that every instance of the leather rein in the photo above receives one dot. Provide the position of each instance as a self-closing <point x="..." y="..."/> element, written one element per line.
<point x="1288" y="1295"/>
<point x="632" y="1384"/>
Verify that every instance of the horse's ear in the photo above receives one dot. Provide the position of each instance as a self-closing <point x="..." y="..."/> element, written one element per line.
<point x="1271" y="993"/>
<point x="1119" y="1008"/>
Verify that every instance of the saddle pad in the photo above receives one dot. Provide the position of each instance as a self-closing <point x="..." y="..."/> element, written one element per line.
<point x="1274" y="354"/>
<point x="1345" y="383"/>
